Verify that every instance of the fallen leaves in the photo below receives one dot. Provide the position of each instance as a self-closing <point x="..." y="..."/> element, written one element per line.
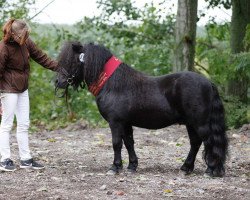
<point x="42" y="189"/>
<point x="51" y="140"/>
<point x="168" y="191"/>
<point x="119" y="193"/>
<point x="103" y="187"/>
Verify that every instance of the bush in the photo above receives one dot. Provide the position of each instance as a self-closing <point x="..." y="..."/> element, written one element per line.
<point x="235" y="111"/>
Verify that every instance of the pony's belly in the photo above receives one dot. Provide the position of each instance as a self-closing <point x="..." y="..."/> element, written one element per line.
<point x="153" y="122"/>
<point x="153" y="125"/>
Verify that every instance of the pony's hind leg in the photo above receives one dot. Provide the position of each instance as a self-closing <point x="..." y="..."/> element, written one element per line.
<point x="195" y="142"/>
<point x="129" y="143"/>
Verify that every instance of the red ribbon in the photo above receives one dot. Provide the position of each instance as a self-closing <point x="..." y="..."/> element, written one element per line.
<point x="109" y="68"/>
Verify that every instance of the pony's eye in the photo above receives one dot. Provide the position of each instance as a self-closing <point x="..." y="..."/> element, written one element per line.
<point x="81" y="57"/>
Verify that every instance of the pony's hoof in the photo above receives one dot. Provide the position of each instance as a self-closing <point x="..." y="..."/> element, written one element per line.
<point x="208" y="172"/>
<point x="111" y="172"/>
<point x="217" y="172"/>
<point x="187" y="169"/>
<point x="132" y="167"/>
<point x="114" y="170"/>
<point x="131" y="171"/>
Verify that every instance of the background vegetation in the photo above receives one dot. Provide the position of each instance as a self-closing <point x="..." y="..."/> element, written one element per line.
<point x="143" y="38"/>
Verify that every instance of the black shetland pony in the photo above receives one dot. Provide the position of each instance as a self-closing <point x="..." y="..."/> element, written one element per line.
<point x="130" y="98"/>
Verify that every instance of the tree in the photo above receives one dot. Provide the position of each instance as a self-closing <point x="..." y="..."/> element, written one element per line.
<point x="240" y="19"/>
<point x="142" y="37"/>
<point x="17" y="9"/>
<point x="185" y="34"/>
<point x="239" y="80"/>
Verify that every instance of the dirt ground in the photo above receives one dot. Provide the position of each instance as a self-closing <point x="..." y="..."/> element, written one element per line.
<point x="77" y="159"/>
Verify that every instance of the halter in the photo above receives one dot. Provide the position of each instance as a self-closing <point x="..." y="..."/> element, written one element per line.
<point x="70" y="78"/>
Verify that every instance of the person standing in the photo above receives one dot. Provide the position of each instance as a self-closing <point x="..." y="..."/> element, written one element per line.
<point x="16" y="49"/>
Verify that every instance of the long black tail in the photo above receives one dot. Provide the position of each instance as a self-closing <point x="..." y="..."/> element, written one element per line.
<point x="217" y="143"/>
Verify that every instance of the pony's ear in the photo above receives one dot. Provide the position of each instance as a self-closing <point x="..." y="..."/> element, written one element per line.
<point x="77" y="47"/>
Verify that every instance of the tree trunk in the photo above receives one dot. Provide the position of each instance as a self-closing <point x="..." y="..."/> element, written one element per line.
<point x="240" y="19"/>
<point x="185" y="34"/>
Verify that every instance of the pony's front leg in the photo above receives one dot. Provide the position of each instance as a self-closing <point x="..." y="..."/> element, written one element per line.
<point x="117" y="131"/>
<point x="129" y="143"/>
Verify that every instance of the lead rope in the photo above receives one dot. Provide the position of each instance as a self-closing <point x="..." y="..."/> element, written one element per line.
<point x="67" y="101"/>
<point x="66" y="95"/>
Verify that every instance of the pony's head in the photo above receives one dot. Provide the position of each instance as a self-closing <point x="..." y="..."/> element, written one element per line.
<point x="71" y="65"/>
<point x="80" y="64"/>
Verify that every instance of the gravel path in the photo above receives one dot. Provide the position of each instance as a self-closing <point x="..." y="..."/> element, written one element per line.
<point x="77" y="161"/>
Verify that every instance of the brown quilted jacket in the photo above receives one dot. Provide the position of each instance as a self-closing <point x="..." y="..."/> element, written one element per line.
<point x="15" y="67"/>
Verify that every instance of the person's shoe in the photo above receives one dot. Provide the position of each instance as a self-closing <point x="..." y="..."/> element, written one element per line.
<point x="7" y="165"/>
<point x="30" y="164"/>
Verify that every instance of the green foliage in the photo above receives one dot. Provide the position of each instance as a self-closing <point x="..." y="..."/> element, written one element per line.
<point x="84" y="106"/>
<point x="247" y="38"/>
<point x="240" y="65"/>
<point x="144" y="39"/>
<point x="214" y="43"/>
<point x="217" y="3"/>
<point x="51" y="112"/>
<point x="235" y="111"/>
<point x="145" y="45"/>
<point x="213" y="54"/>
<point x="18" y="9"/>
<point x="47" y="110"/>
<point x="213" y="51"/>
<point x="122" y="8"/>
<point x="140" y="45"/>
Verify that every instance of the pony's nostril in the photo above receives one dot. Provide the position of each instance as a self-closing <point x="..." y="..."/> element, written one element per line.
<point x="57" y="83"/>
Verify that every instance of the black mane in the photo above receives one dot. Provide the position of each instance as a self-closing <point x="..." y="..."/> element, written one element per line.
<point x="94" y="60"/>
<point x="124" y="77"/>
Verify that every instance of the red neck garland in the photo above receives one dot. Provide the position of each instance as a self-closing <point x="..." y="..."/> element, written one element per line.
<point x="109" y="69"/>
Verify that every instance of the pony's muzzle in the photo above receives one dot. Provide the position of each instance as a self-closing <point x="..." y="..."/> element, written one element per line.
<point x="61" y="85"/>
